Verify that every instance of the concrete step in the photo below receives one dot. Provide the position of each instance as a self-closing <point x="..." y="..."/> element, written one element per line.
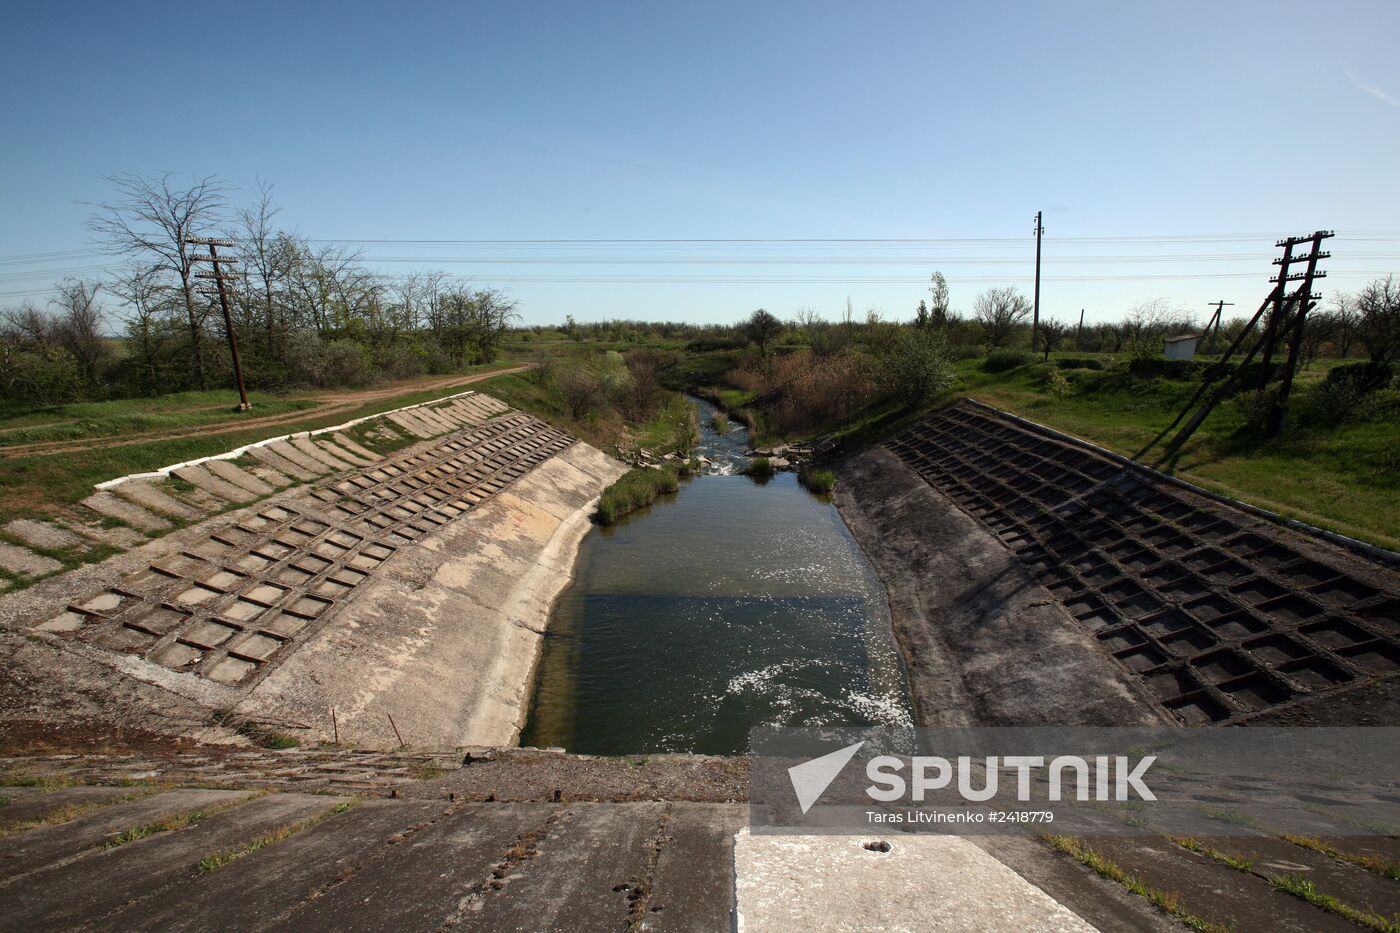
<point x="341" y="453"/>
<point x="36" y="848"/>
<point x="42" y="534"/>
<point x="25" y="562"/>
<point x="231" y="472"/>
<point x="110" y="506"/>
<point x="214" y="484"/>
<point x="279" y="879"/>
<point x="274" y="478"/>
<point x="149" y="496"/>
<point x="429" y="875"/>
<point x="38" y="804"/>
<point x="286" y="451"/>
<point x="157" y="867"/>
<point x="411" y="425"/>
<point x="321" y="455"/>
<point x="280" y="463"/>
<point x="120" y="537"/>
<point x="350" y="445"/>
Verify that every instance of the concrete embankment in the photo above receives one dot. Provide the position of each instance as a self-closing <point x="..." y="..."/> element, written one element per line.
<point x="396" y="601"/>
<point x="984" y="644"/>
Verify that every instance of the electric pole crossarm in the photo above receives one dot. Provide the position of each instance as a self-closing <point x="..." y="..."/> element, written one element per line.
<point x="220" y="277"/>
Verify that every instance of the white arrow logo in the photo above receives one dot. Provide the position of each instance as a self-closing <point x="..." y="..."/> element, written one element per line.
<point x="811" y="778"/>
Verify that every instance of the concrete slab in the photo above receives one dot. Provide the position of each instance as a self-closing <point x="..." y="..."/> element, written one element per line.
<point x="923" y="884"/>
<point x="230" y="472"/>
<point x="214" y="484"/>
<point x="39" y="805"/>
<point x="305" y="445"/>
<point x="431" y="874"/>
<point x="692" y="885"/>
<point x="316" y="858"/>
<point x="588" y="872"/>
<point x="274" y="478"/>
<point x="287" y="451"/>
<point x="282" y="464"/>
<point x="118" y="537"/>
<point x="41" y="534"/>
<point x="149" y="496"/>
<point x="413" y="429"/>
<point x="340" y="453"/>
<point x="106" y="504"/>
<point x="36" y="848"/>
<point x="111" y="880"/>
<point x="350" y="445"/>
<point x="22" y="561"/>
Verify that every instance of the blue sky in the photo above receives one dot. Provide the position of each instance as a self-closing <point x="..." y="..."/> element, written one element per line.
<point x="952" y="122"/>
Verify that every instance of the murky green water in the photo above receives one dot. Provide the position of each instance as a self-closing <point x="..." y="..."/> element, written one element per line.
<point x="727" y="606"/>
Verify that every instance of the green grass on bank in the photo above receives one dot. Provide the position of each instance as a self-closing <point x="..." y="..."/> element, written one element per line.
<point x="635" y="489"/>
<point x="87" y="420"/>
<point x="1344" y="477"/>
<point x="38" y="486"/>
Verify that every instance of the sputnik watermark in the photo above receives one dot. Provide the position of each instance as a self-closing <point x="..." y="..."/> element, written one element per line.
<point x="1088" y="780"/>
<point x="1111" y="777"/>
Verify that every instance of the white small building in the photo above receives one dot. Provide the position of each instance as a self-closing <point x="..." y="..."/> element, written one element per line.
<point x="1182" y="348"/>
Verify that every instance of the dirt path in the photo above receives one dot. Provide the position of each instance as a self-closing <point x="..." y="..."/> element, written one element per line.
<point x="328" y="405"/>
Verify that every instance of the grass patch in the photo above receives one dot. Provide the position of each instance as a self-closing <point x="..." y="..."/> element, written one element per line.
<point x="73" y="811"/>
<point x="1193" y="844"/>
<point x="176" y="821"/>
<point x="760" y="467"/>
<point x="282" y="833"/>
<point x="1233" y="817"/>
<point x="720" y="422"/>
<point x="1305" y="890"/>
<point x="257" y="732"/>
<point x="1167" y="901"/>
<point x="1376" y="863"/>
<point x="633" y="490"/>
<point x="817" y="479"/>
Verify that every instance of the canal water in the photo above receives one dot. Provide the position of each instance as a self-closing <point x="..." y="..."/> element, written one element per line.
<point x="730" y="605"/>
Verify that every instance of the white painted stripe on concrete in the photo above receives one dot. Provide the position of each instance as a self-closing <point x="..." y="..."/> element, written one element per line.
<point x="925" y="883"/>
<point x="163" y="472"/>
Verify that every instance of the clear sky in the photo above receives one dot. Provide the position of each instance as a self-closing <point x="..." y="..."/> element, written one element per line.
<point x="1237" y="121"/>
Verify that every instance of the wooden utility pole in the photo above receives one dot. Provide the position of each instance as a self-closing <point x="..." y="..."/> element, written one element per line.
<point x="1213" y="325"/>
<point x="1274" y="321"/>
<point x="220" y="277"/>
<point x="1306" y="302"/>
<point x="1035" y="306"/>
<point x="1079" y="332"/>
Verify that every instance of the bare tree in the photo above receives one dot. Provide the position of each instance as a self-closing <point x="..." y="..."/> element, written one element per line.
<point x="79" y="327"/>
<point x="153" y="217"/>
<point x="1053" y="334"/>
<point x="265" y="262"/>
<point x="1378" y="307"/>
<point x="1345" y="320"/>
<point x="999" y="311"/>
<point x="149" y="302"/>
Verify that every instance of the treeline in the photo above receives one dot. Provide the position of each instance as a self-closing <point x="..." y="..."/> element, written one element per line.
<point x="305" y="314"/>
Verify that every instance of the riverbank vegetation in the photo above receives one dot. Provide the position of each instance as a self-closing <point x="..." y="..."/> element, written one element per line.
<point x="817" y="479"/>
<point x="634" y="489"/>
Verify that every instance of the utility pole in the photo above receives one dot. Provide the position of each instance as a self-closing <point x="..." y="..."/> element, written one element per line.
<point x="1275" y="319"/>
<point x="220" y="276"/>
<point x="1079" y="332"/>
<point x="1035" y="312"/>
<point x="1306" y="302"/>
<point x="1215" y="321"/>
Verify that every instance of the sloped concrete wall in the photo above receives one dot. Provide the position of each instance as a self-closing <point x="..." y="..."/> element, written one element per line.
<point x="446" y="639"/>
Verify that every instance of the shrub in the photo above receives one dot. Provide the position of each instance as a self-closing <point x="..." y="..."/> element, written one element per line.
<point x="634" y="489"/>
<point x="999" y="361"/>
<point x="1058" y="383"/>
<point x="1333" y="402"/>
<point x="1154" y="367"/>
<point x="916" y="367"/>
<point x="760" y="467"/>
<point x="1080" y="363"/>
<point x="819" y="481"/>
<point x="1365" y="377"/>
<point x="1256" y="406"/>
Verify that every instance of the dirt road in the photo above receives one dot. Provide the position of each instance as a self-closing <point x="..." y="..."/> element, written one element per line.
<point x="327" y="406"/>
